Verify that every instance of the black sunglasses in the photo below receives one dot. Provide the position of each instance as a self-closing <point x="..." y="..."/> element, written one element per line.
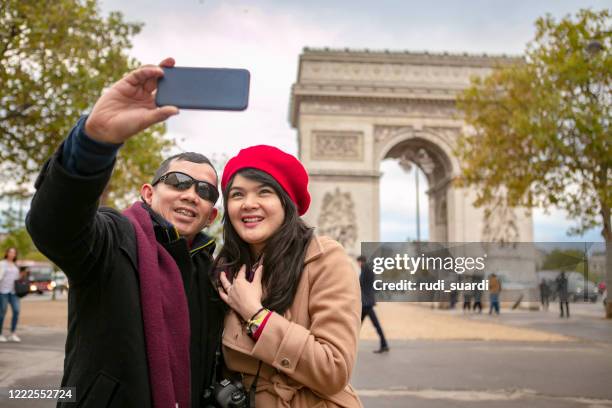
<point x="182" y="182"/>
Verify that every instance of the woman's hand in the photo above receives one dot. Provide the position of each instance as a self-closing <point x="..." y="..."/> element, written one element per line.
<point x="242" y="296"/>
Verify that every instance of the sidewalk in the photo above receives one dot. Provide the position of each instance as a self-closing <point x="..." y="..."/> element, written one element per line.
<point x="438" y="358"/>
<point x="400" y="321"/>
<point x="417" y="321"/>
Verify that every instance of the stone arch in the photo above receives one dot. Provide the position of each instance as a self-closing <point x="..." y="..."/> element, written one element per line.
<point x="432" y="154"/>
<point x="436" y="140"/>
<point x="352" y="109"/>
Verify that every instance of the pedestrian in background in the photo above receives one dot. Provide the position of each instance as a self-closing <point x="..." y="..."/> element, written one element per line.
<point x="477" y="295"/>
<point x="9" y="273"/>
<point x="563" y="294"/>
<point x="495" y="289"/>
<point x="22" y="285"/>
<point x="544" y="294"/>
<point x="366" y="279"/>
<point x="467" y="296"/>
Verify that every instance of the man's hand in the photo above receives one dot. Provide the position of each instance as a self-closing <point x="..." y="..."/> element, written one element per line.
<point x="128" y="107"/>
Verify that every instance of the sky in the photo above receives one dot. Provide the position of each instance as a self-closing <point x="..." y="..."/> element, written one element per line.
<point x="266" y="37"/>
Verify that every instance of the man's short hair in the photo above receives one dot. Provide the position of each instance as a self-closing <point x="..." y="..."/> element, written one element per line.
<point x="187" y="156"/>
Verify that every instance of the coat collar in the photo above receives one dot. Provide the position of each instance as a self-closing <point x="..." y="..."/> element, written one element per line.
<point x="314" y="250"/>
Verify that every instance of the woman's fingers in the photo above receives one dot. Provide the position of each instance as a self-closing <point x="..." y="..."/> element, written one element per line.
<point x="258" y="274"/>
<point x="225" y="283"/>
<point x="242" y="272"/>
<point x="224" y="288"/>
<point x="223" y="296"/>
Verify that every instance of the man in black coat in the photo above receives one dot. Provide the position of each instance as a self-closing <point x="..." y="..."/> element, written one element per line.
<point x="563" y="293"/>
<point x="144" y="318"/>
<point x="366" y="280"/>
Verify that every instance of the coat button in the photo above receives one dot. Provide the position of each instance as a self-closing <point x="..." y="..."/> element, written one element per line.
<point x="285" y="362"/>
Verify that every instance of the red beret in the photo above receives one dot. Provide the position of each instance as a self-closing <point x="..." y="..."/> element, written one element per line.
<point x="283" y="167"/>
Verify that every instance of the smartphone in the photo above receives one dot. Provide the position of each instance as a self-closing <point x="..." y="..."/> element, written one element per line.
<point x="204" y="88"/>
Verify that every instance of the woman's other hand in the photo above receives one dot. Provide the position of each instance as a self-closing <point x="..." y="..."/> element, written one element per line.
<point x="242" y="296"/>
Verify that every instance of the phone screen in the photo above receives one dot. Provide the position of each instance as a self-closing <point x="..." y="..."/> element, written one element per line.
<point x="204" y="88"/>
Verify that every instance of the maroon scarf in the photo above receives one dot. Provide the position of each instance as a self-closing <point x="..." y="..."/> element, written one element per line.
<point x="165" y="315"/>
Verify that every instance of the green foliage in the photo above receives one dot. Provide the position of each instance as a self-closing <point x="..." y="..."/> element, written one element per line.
<point x="541" y="129"/>
<point x="567" y="260"/>
<point x="21" y="240"/>
<point x="12" y="221"/>
<point x="136" y="163"/>
<point x="215" y="230"/>
<point x="55" y="60"/>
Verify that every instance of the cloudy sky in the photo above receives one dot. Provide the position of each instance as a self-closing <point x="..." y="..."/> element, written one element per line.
<point x="267" y="37"/>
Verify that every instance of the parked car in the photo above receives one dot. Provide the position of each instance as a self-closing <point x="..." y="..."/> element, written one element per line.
<point x="583" y="291"/>
<point x="40" y="275"/>
<point x="60" y="282"/>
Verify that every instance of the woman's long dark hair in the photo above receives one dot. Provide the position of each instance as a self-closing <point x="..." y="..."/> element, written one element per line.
<point x="283" y="255"/>
<point x="7" y="251"/>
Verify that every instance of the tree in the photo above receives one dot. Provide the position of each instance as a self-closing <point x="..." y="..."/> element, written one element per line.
<point x="55" y="60"/>
<point x="541" y="129"/>
<point x="566" y="260"/>
<point x="20" y="239"/>
<point x="11" y="220"/>
<point x="215" y="230"/>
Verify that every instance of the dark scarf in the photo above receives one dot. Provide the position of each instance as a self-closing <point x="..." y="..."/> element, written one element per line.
<point x="165" y="315"/>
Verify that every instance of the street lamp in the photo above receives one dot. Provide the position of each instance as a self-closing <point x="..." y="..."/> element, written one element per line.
<point x="424" y="161"/>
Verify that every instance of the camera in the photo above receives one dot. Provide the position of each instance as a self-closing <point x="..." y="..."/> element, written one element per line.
<point x="227" y="394"/>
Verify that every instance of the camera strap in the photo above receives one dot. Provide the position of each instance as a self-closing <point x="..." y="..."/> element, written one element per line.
<point x="254" y="387"/>
<point x="216" y="369"/>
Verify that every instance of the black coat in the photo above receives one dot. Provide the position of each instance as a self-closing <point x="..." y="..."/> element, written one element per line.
<point x="562" y="290"/>
<point x="366" y="280"/>
<point x="105" y="349"/>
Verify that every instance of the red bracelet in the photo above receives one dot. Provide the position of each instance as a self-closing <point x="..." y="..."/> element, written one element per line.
<point x="260" y="328"/>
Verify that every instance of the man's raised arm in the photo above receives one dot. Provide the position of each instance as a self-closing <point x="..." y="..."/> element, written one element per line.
<point x="62" y="219"/>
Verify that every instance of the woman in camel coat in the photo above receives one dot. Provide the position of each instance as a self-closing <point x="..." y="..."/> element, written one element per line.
<point x="296" y="319"/>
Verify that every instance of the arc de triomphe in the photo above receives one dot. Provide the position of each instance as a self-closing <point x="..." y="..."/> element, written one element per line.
<point x="353" y="109"/>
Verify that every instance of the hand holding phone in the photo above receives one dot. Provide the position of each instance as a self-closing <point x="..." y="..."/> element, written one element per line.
<point x="128" y="107"/>
<point x="204" y="88"/>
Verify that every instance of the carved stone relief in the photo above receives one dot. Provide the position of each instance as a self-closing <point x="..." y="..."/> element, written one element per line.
<point x="420" y="157"/>
<point x="500" y="223"/>
<point x="424" y="108"/>
<point x="391" y="73"/>
<point x="337" y="145"/>
<point x="337" y="218"/>
<point x="448" y="134"/>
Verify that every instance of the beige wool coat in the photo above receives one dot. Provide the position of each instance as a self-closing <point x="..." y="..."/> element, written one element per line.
<point x="308" y="353"/>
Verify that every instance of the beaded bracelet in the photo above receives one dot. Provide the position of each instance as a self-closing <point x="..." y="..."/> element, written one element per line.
<point x="255" y="315"/>
<point x="253" y="325"/>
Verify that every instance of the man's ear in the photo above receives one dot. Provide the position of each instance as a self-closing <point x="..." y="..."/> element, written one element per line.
<point x="213" y="214"/>
<point x="146" y="192"/>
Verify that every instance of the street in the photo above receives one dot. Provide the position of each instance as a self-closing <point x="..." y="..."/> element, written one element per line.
<point x="572" y="370"/>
